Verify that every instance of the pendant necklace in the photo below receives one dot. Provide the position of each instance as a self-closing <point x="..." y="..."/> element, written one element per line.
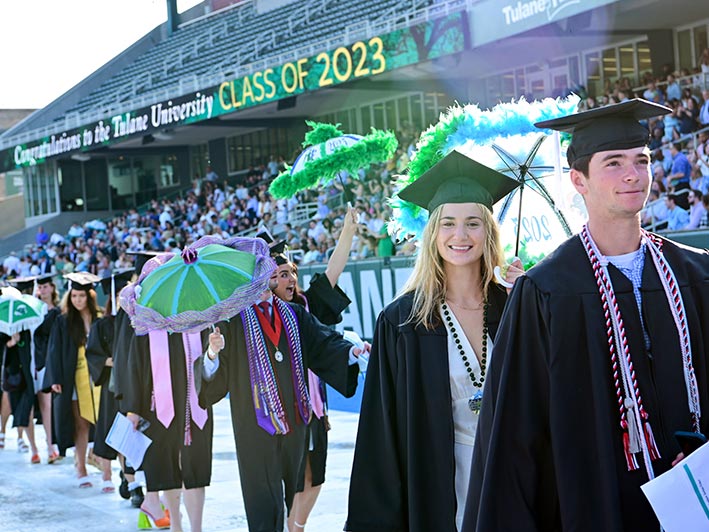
<point x="476" y="399"/>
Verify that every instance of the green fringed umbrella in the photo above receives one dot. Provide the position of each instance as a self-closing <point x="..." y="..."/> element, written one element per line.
<point x="20" y="312"/>
<point x="328" y="152"/>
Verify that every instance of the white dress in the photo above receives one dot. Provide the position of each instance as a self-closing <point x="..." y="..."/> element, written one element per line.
<point x="465" y="421"/>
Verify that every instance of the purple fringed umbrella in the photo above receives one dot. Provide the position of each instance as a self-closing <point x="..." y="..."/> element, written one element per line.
<point x="211" y="281"/>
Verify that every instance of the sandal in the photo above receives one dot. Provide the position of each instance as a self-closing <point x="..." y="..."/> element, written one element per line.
<point x="35" y="459"/>
<point x="53" y="457"/>
<point x="2" y="440"/>
<point x="107" y="487"/>
<point x="146" y="520"/>
<point x="84" y="482"/>
<point x="22" y="446"/>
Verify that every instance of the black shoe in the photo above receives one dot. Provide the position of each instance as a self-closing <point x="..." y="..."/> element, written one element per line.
<point x="123" y="488"/>
<point x="136" y="497"/>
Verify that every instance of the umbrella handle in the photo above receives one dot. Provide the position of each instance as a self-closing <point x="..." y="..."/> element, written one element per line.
<point x="501" y="280"/>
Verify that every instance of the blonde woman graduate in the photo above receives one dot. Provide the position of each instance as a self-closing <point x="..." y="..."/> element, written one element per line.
<point x="431" y="348"/>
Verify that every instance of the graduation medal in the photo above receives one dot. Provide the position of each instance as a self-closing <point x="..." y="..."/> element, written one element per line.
<point x="475" y="402"/>
<point x="278" y="356"/>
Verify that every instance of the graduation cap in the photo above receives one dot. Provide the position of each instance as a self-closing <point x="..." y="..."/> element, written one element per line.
<point x="81" y="281"/>
<point x="275" y="248"/>
<point x="141" y="257"/>
<point x="114" y="283"/>
<point x="458" y="179"/>
<point x="613" y="127"/>
<point x="23" y="284"/>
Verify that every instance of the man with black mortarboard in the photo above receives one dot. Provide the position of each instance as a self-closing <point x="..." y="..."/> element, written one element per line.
<point x="600" y="356"/>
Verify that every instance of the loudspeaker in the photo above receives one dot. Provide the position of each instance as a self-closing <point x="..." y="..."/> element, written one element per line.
<point x="286" y="103"/>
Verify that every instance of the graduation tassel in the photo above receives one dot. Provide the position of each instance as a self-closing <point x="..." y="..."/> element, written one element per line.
<point x="629" y="457"/>
<point x="650" y="439"/>
<point x="633" y="429"/>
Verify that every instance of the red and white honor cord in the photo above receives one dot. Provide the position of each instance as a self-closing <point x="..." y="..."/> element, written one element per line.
<point x="634" y="419"/>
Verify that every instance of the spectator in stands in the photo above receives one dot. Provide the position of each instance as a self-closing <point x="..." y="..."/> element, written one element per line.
<point x="681" y="168"/>
<point x="657" y="139"/>
<point x="677" y="218"/>
<point x="655" y="211"/>
<point x="41" y="238"/>
<point x="704" y="110"/>
<point x="75" y="231"/>
<point x="696" y="209"/>
<point x="652" y="93"/>
<point x="671" y="123"/>
<point x="673" y="91"/>
<point x="211" y="175"/>
<point x="687" y="117"/>
<point x="704" y="222"/>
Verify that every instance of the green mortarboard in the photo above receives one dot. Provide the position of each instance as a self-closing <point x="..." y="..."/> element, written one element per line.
<point x="458" y="179"/>
<point x="613" y="127"/>
<point x="81" y="281"/>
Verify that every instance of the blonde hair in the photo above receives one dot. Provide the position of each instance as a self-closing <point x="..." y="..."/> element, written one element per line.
<point x="428" y="280"/>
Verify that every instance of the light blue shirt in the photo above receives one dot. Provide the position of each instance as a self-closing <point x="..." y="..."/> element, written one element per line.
<point x="677" y="219"/>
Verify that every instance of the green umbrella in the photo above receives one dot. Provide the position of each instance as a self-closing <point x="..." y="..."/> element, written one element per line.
<point x="20" y="312"/>
<point x="327" y="153"/>
<point x="197" y="280"/>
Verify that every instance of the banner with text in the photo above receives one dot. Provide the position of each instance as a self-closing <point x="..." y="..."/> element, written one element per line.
<point x="361" y="59"/>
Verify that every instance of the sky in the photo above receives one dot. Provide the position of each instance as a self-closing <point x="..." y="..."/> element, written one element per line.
<point x="48" y="46"/>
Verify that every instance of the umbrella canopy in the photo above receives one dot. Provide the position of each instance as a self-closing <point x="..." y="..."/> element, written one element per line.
<point x="211" y="281"/>
<point x="20" y="312"/>
<point x="328" y="153"/>
<point x="539" y="214"/>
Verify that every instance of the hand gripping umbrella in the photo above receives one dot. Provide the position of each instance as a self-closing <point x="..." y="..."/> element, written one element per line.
<point x="211" y="281"/>
<point x="328" y="153"/>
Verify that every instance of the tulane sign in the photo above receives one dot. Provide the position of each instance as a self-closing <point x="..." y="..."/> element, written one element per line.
<point x="399" y="48"/>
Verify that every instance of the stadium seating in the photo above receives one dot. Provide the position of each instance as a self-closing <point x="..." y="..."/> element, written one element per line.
<point x="218" y="44"/>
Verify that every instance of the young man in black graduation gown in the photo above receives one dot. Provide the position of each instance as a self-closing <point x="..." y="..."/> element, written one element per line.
<point x="554" y="450"/>
<point x="269" y="463"/>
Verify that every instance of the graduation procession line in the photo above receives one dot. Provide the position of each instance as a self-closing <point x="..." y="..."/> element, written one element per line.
<point x="46" y="497"/>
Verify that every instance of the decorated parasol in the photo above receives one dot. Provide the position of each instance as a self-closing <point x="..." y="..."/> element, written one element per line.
<point x="328" y="153"/>
<point x="211" y="281"/>
<point x="20" y="312"/>
<point x="505" y="139"/>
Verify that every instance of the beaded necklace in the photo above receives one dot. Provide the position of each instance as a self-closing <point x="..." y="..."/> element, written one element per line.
<point x="476" y="400"/>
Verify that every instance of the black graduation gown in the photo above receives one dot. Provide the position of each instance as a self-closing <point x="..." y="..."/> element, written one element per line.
<point x="548" y="454"/>
<point x="123" y="336"/>
<point x="326" y="303"/>
<point x="17" y="361"/>
<point x="403" y="474"/>
<point x="41" y="338"/>
<point x="259" y="454"/>
<point x="168" y="462"/>
<point x="99" y="347"/>
<point x="61" y="369"/>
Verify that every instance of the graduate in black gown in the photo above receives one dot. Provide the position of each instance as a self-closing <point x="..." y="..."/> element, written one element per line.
<point x="562" y="444"/>
<point x="74" y="398"/>
<point x="47" y="292"/>
<point x="429" y="355"/>
<point x="325" y="300"/>
<point x="99" y="355"/>
<point x="179" y="460"/>
<point x="269" y="426"/>
<point x="17" y="383"/>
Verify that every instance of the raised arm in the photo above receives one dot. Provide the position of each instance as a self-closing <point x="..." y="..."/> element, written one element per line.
<point x="341" y="253"/>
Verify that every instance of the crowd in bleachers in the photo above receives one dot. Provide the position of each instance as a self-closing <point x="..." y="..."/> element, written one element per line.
<point x="215" y="207"/>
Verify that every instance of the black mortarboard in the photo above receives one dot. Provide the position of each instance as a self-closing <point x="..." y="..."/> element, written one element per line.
<point x="141" y="257"/>
<point x="275" y="248"/>
<point x="613" y="127"/>
<point x="458" y="179"/>
<point x="81" y="280"/>
<point x="24" y="284"/>
<point x="120" y="279"/>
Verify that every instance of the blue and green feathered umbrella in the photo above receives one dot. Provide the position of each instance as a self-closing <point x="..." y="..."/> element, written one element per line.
<point x="504" y="138"/>
<point x="328" y="153"/>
